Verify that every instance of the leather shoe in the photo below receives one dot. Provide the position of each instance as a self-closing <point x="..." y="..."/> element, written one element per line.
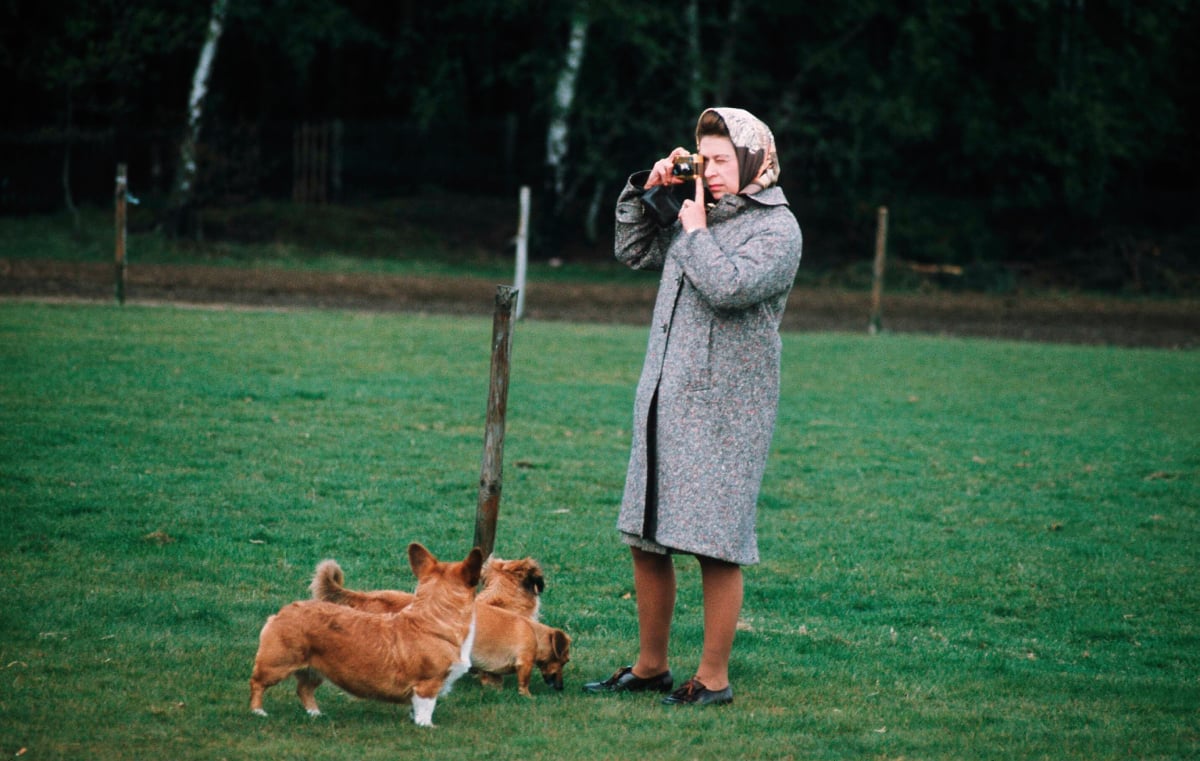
<point x="693" y="693"/>
<point x="624" y="680"/>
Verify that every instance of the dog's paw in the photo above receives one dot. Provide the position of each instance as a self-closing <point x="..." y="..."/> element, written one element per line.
<point x="259" y="712"/>
<point x="422" y="710"/>
<point x="314" y="712"/>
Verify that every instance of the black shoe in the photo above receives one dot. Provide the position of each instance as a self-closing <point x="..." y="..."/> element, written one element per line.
<point x="693" y="693"/>
<point x="625" y="681"/>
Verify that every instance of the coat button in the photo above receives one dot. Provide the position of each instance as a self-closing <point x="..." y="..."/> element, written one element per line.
<point x="665" y="326"/>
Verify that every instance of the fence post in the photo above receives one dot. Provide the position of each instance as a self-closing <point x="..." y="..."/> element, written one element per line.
<point x="522" y="250"/>
<point x="335" y="160"/>
<point x="121" y="195"/>
<point x="490" y="478"/>
<point x="876" y="323"/>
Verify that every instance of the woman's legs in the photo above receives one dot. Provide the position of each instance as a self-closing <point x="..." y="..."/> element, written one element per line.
<point x="722" y="584"/>
<point x="654" y="585"/>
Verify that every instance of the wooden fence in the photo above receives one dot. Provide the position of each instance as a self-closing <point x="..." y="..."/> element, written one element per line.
<point x="317" y="162"/>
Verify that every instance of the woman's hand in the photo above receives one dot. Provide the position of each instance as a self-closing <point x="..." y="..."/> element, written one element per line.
<point x="693" y="215"/>
<point x="661" y="174"/>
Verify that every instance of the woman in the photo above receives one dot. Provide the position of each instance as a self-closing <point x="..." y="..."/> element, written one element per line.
<point x="706" y="402"/>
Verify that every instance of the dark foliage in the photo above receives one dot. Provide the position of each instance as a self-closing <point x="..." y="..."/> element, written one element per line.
<point x="1056" y="136"/>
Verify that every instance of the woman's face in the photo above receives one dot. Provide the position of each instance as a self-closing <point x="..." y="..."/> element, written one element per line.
<point x="720" y="165"/>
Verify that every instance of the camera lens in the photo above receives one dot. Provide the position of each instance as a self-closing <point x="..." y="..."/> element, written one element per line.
<point x="682" y="169"/>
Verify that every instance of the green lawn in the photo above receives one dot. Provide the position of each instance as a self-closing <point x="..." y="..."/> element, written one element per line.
<point x="972" y="549"/>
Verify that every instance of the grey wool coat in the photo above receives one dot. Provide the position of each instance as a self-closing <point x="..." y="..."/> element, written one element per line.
<point x="705" y="407"/>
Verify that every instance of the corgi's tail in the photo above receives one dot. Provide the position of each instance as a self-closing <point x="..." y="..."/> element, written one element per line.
<point x="328" y="582"/>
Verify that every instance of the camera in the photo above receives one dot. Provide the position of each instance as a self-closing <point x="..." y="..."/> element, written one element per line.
<point x="663" y="202"/>
<point x="688" y="167"/>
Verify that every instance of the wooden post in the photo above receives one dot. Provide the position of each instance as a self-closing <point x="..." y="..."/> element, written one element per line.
<point x="316" y="161"/>
<point x="121" y="195"/>
<point x="876" y="323"/>
<point x="522" y="250"/>
<point x="335" y="160"/>
<point x="297" y="163"/>
<point x="488" y="508"/>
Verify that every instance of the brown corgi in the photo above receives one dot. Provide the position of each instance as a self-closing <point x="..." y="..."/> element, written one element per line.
<point x="410" y="656"/>
<point x="507" y="640"/>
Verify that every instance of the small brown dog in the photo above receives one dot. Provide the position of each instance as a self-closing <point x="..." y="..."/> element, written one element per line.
<point x="515" y="585"/>
<point x="410" y="656"/>
<point x="508" y="643"/>
<point x="507" y="638"/>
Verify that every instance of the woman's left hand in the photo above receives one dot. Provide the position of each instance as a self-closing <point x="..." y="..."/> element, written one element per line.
<point x="693" y="215"/>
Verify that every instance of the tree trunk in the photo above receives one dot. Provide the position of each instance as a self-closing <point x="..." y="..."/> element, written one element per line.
<point x="185" y="177"/>
<point x="558" y="134"/>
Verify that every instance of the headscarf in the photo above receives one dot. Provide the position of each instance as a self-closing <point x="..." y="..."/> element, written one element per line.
<point x="758" y="162"/>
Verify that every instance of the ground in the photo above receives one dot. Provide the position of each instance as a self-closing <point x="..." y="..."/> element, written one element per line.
<point x="1075" y="319"/>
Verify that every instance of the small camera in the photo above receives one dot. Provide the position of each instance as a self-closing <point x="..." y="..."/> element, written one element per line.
<point x="688" y="167"/>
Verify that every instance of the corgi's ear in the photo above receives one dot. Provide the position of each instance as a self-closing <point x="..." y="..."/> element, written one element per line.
<point x="562" y="643"/>
<point x="472" y="566"/>
<point x="420" y="559"/>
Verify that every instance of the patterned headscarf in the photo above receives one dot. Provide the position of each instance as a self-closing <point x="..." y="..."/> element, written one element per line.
<point x="758" y="162"/>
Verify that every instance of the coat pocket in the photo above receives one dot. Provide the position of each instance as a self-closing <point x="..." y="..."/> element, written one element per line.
<point x="700" y="361"/>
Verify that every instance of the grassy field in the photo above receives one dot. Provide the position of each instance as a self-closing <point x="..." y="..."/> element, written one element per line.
<point x="972" y="550"/>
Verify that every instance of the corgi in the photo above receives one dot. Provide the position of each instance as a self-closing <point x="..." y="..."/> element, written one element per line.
<point x="507" y="639"/>
<point x="411" y="656"/>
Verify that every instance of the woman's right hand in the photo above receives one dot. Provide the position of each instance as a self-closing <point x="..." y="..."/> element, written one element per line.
<point x="661" y="173"/>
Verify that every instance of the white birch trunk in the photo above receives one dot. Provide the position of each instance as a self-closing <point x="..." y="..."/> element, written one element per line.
<point x="558" y="135"/>
<point x="186" y="177"/>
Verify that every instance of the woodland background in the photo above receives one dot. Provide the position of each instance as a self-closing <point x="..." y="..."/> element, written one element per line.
<point x="1038" y="141"/>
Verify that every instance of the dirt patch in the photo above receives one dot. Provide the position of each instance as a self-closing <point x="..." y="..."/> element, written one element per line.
<point x="1058" y="319"/>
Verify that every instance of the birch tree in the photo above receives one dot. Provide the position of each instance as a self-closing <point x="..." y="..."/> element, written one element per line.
<point x="185" y="178"/>
<point x="558" y="134"/>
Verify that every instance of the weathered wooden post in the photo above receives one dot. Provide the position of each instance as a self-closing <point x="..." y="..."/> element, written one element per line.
<point x="488" y="508"/>
<point x="876" y="323"/>
<point x="121" y="194"/>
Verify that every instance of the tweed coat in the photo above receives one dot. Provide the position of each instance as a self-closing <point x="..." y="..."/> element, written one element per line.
<point x="711" y="371"/>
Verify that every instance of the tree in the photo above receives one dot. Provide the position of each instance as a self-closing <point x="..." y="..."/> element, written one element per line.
<point x="185" y="176"/>
<point x="559" y="130"/>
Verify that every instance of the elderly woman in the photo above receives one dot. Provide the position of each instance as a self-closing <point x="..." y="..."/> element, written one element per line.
<point x="705" y="407"/>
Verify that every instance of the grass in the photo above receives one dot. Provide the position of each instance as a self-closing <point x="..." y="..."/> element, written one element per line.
<point x="971" y="549"/>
